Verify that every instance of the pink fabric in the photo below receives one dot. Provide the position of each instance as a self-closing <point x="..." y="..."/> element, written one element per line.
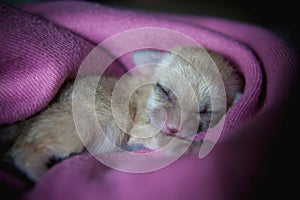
<point x="38" y="54"/>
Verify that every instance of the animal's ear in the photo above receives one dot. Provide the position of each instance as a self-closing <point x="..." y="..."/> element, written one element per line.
<point x="142" y="57"/>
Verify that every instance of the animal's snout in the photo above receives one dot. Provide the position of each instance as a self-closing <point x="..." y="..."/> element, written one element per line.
<point x="171" y="129"/>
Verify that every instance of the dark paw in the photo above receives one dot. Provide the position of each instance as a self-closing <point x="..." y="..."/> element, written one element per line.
<point x="54" y="160"/>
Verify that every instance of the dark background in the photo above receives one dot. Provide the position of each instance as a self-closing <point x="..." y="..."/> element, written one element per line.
<point x="280" y="17"/>
<point x="281" y="178"/>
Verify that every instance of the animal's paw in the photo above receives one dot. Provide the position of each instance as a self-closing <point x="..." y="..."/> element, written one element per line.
<point x="34" y="164"/>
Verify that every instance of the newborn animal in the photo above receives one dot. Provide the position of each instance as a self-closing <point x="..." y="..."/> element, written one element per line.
<point x="184" y="98"/>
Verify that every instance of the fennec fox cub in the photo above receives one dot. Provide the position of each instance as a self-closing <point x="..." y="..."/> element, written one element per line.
<point x="51" y="135"/>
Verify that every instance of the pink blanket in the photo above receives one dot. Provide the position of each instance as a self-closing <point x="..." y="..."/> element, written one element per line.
<point x="43" y="44"/>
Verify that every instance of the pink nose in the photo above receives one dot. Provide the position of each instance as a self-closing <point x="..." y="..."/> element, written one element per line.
<point x="171" y="130"/>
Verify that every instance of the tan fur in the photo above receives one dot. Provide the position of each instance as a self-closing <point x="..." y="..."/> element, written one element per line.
<point x="190" y="63"/>
<point x="52" y="132"/>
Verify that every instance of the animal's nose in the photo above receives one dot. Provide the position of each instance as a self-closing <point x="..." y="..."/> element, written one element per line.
<point x="172" y="129"/>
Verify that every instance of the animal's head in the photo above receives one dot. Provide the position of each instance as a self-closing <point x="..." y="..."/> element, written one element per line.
<point x="191" y="88"/>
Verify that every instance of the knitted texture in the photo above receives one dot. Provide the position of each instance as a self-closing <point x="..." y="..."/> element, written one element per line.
<point x="36" y="57"/>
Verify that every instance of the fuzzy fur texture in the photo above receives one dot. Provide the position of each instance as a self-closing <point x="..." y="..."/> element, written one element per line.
<point x="53" y="133"/>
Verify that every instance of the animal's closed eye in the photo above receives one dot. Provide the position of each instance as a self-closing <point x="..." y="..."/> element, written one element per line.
<point x="204" y="111"/>
<point x="209" y="112"/>
<point x="165" y="91"/>
<point x="162" y="88"/>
